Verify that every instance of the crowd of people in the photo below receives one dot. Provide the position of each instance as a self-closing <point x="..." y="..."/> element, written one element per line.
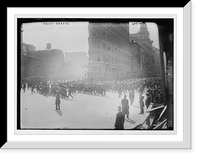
<point x="123" y="110"/>
<point x="68" y="88"/>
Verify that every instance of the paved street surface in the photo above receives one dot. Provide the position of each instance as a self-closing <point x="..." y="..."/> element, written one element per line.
<point x="83" y="111"/>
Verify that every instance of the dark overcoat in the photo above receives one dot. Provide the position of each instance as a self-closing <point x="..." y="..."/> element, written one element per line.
<point x="119" y="122"/>
<point x="125" y="106"/>
<point x="148" y="101"/>
<point x="57" y="99"/>
<point x="141" y="105"/>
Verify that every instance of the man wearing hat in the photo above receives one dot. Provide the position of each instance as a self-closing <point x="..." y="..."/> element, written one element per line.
<point x="70" y="92"/>
<point x="57" y="101"/>
<point x="148" y="100"/>
<point x="141" y="104"/>
<point x="119" y="122"/>
<point x="131" y="96"/>
<point x="125" y="106"/>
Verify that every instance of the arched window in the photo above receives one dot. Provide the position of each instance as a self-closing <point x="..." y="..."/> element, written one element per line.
<point x="108" y="48"/>
<point x="108" y="58"/>
<point x="99" y="44"/>
<point x="104" y="46"/>
<point x="98" y="33"/>
<point x="104" y="58"/>
<point x="94" y="33"/>
<point x="112" y="60"/>
<point x="103" y="34"/>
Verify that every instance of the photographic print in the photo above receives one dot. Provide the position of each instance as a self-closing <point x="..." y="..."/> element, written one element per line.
<point x="99" y="77"/>
<point x="95" y="74"/>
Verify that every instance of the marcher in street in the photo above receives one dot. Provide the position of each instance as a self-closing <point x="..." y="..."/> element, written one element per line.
<point x="125" y="106"/>
<point x="141" y="105"/>
<point x="120" y="117"/>
<point x="147" y="101"/>
<point x="120" y="92"/>
<point x="70" y="93"/>
<point x="131" y="96"/>
<point x="57" y="101"/>
<point x="32" y="89"/>
<point x="24" y="87"/>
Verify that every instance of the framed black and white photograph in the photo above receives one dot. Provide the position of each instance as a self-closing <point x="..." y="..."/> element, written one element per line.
<point x="99" y="78"/>
<point x="104" y="74"/>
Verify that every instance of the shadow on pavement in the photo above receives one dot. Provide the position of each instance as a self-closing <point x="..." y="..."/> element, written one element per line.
<point x="59" y="112"/>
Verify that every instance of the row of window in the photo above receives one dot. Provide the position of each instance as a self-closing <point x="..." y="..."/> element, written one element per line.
<point x="109" y="48"/>
<point x="106" y="58"/>
<point x="148" y="59"/>
<point x="136" y="37"/>
<point x="109" y="37"/>
<point x="100" y="69"/>
<point x="97" y="76"/>
<point x="120" y="30"/>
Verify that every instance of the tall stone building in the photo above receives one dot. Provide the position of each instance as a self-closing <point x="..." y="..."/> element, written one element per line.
<point x="48" y="63"/>
<point x="141" y="48"/>
<point x="142" y="36"/>
<point x="157" y="61"/>
<point x="109" y="51"/>
<point x="136" y="60"/>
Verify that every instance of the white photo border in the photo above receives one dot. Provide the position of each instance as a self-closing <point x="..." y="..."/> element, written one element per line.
<point x="123" y="139"/>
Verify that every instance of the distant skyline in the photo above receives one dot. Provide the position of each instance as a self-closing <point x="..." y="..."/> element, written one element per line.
<point x="70" y="36"/>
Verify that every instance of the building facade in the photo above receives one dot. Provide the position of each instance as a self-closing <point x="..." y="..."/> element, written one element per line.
<point x="142" y="36"/>
<point x="27" y="48"/>
<point x="136" y="60"/>
<point x="47" y="63"/>
<point x="144" y="57"/>
<point x="157" y="61"/>
<point x="109" y="51"/>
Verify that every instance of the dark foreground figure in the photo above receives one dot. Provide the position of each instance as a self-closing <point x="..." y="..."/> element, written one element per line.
<point x="120" y="117"/>
<point x="57" y="101"/>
